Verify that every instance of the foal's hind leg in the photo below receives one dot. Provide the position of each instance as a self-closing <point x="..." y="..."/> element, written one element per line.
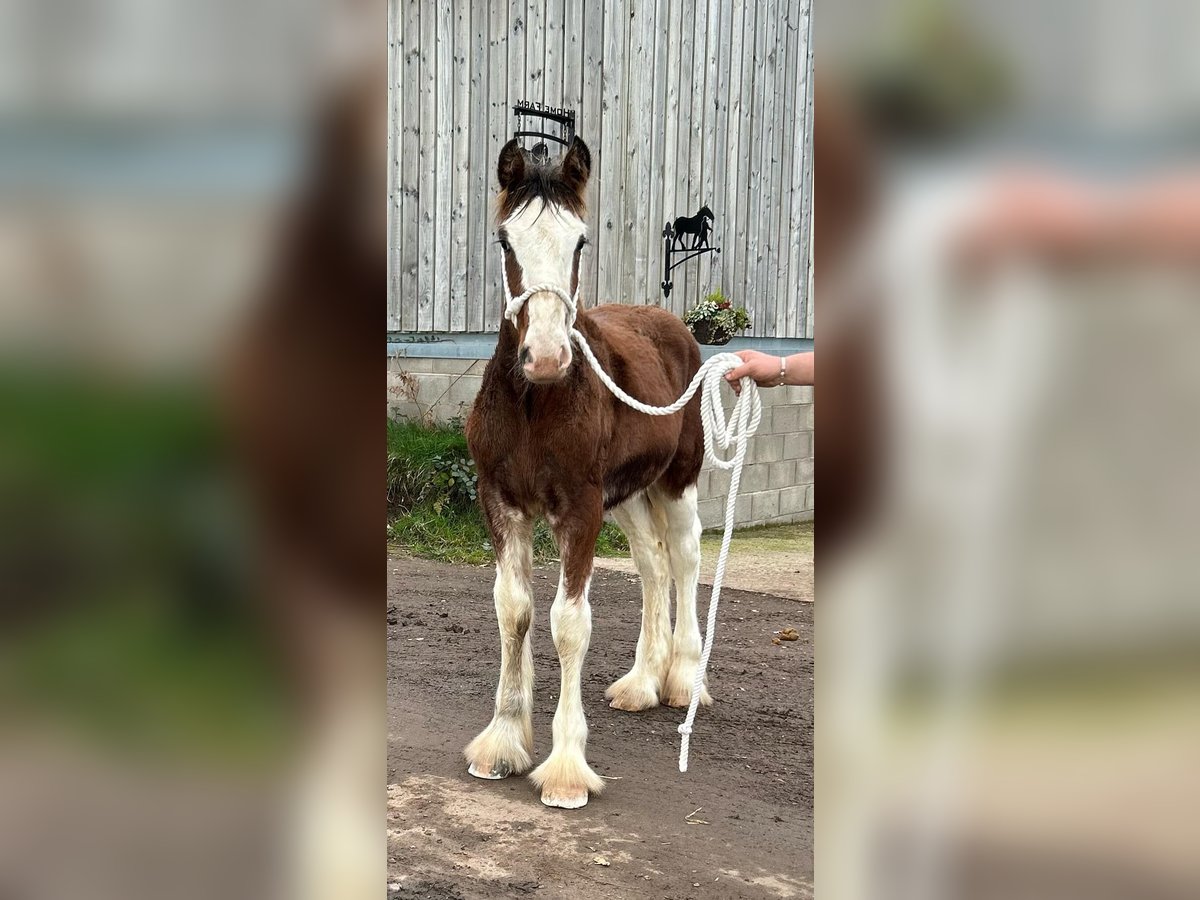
<point x="680" y="525"/>
<point x="505" y="747"/>
<point x="639" y="688"/>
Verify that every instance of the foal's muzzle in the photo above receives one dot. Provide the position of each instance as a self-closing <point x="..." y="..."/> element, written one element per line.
<point x="545" y="369"/>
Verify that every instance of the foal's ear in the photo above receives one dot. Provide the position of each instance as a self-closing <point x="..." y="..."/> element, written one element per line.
<point x="577" y="164"/>
<point x="511" y="167"/>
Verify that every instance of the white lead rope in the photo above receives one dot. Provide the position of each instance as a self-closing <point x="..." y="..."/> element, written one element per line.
<point x="736" y="430"/>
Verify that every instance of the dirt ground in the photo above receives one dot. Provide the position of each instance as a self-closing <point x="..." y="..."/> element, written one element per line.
<point x="738" y="824"/>
<point x="775" y="560"/>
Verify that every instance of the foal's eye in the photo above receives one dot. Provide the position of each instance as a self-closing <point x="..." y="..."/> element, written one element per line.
<point x="582" y="241"/>
<point x="504" y="246"/>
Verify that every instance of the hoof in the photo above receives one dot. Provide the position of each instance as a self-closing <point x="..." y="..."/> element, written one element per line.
<point x="678" y="690"/>
<point x="498" y="751"/>
<point x="632" y="693"/>
<point x="566" y="781"/>
<point x="565" y="802"/>
<point x="498" y="770"/>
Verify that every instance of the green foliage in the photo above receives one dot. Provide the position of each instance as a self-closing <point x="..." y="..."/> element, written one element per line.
<point x="428" y="467"/>
<point x="134" y="620"/>
<point x="433" y="509"/>
<point x="719" y="311"/>
<point x="455" y="477"/>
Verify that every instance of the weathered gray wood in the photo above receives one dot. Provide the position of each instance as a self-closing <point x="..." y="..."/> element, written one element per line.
<point x="746" y="187"/>
<point x="671" y="146"/>
<point x="764" y="280"/>
<point x="427" y="270"/>
<point x="535" y="53"/>
<point x="395" y="160"/>
<point x="590" y="117"/>
<point x="572" y="53"/>
<point x="553" y="50"/>
<point x="785" y="297"/>
<point x="684" y="199"/>
<point x="612" y="149"/>
<point x="498" y="130"/>
<point x="681" y="104"/>
<point x="635" y="197"/>
<point x="726" y="224"/>
<point x="709" y="273"/>
<point x="408" y="288"/>
<point x="476" y="118"/>
<point x="804" y="197"/>
<point x="460" y="117"/>
<point x="443" y="182"/>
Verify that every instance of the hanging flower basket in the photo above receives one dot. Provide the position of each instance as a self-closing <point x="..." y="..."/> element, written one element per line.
<point x="715" y="319"/>
<point x="708" y="332"/>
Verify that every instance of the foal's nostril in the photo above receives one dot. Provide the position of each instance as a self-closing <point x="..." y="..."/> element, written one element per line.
<point x="526" y="356"/>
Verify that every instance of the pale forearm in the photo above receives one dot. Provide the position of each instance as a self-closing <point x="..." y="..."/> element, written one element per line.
<point x="800" y="368"/>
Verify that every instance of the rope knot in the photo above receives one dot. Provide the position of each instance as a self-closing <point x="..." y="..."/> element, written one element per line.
<point x="685" y="728"/>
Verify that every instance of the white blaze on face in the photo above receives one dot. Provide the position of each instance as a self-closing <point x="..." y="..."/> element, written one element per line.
<point x="543" y="241"/>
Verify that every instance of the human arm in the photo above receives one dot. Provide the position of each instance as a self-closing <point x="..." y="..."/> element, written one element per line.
<point x="769" y="371"/>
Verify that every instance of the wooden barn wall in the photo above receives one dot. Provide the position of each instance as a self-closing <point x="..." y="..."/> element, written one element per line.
<point x="681" y="104"/>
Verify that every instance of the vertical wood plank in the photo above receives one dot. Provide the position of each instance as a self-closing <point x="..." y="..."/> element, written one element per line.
<point x="554" y="50"/>
<point x="731" y="252"/>
<point x="696" y="267"/>
<point x="749" y="145"/>
<point x="607" y="241"/>
<point x="798" y="189"/>
<point x="514" y="90"/>
<point x="591" y="128"/>
<point x="806" y="192"/>
<point x="395" y="160"/>
<point x="671" y="156"/>
<point x="428" y="191"/>
<point x="684" y="201"/>
<point x="768" y="191"/>
<point x="786" y="293"/>
<point x="637" y="167"/>
<point x="443" y="213"/>
<point x="572" y="55"/>
<point x="408" y="287"/>
<point x="517" y="32"/>
<point x="652" y="214"/>
<point x="720" y="129"/>
<point x="477" y="167"/>
<point x="535" y="54"/>
<point x="498" y="36"/>
<point x="714" y="36"/>
<point x="459" y="166"/>
<point x="754" y="184"/>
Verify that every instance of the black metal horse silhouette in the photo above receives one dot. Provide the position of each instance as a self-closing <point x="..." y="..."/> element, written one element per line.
<point x="697" y="226"/>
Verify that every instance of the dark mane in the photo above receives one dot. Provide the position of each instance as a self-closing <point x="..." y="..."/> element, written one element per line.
<point x="542" y="181"/>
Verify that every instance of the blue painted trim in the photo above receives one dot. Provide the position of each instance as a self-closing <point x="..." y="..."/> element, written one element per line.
<point x="482" y="346"/>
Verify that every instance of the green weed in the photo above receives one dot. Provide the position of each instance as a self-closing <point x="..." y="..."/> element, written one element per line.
<point x="433" y="509"/>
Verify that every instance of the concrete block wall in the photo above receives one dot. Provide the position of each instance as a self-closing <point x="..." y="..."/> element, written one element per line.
<point x="777" y="481"/>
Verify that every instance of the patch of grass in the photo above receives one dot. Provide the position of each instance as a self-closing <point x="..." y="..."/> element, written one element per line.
<point x="132" y="619"/>
<point x="432" y="509"/>
<point x="793" y="538"/>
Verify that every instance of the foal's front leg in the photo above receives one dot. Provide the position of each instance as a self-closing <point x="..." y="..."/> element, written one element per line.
<point x="505" y="747"/>
<point x="565" y="778"/>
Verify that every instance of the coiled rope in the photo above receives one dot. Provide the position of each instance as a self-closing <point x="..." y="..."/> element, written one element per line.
<point x="718" y="432"/>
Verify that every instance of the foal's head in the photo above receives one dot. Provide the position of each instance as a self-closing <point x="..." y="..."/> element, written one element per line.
<point x="542" y="232"/>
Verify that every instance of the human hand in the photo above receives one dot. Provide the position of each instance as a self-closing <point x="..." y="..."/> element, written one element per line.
<point x="762" y="367"/>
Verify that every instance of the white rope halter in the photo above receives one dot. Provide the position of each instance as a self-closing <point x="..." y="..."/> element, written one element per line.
<point x="736" y="430"/>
